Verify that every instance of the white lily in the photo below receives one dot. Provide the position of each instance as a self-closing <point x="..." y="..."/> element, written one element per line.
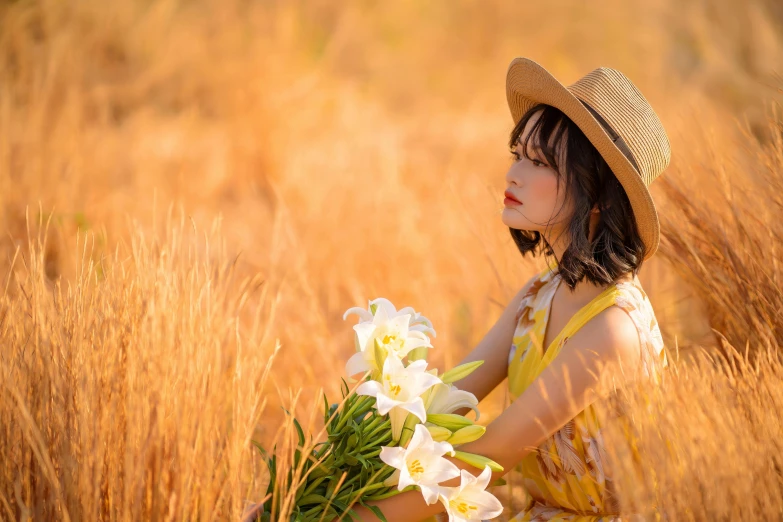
<point x="418" y="322"/>
<point x="447" y="398"/>
<point x="399" y="391"/>
<point x="469" y="500"/>
<point x="421" y="463"/>
<point x="390" y="334"/>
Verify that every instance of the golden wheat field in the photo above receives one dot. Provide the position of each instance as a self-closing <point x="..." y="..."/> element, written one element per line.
<point x="193" y="192"/>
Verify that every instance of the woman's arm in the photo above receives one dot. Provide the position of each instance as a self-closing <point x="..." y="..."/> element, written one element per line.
<point x="493" y="350"/>
<point x="606" y="348"/>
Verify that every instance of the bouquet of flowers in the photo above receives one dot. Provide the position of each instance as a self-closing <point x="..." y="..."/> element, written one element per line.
<point x="391" y="433"/>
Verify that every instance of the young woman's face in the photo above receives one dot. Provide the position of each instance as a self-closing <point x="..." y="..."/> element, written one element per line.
<point x="534" y="195"/>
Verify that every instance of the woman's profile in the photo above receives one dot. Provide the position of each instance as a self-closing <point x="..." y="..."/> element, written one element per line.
<point x="577" y="193"/>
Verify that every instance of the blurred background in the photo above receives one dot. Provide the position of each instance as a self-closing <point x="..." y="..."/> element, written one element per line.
<point x="195" y="184"/>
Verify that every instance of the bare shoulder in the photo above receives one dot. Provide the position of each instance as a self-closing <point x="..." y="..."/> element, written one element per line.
<point x="612" y="335"/>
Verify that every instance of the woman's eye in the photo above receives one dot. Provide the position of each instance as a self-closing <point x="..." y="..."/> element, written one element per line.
<point x="515" y="155"/>
<point x="542" y="164"/>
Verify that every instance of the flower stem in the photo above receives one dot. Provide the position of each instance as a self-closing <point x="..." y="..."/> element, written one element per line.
<point x="351" y="413"/>
<point x="389" y="494"/>
<point x="378" y="429"/>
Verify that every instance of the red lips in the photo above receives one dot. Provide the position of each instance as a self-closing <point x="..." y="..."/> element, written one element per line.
<point x="510" y="199"/>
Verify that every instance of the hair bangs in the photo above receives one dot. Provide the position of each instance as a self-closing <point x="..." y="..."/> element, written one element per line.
<point x="545" y="137"/>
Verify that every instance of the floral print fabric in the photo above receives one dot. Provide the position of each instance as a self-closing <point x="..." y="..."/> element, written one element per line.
<point x="566" y="477"/>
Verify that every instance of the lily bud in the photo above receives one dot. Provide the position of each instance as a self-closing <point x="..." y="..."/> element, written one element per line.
<point x="380" y="353"/>
<point x="439" y="433"/>
<point x="477" y="460"/>
<point x="460" y="372"/>
<point x="418" y="354"/>
<point x="449" y="421"/>
<point x="407" y="429"/>
<point x="466" y="434"/>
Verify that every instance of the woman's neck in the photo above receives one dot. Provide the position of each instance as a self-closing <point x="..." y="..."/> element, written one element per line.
<point x="586" y="290"/>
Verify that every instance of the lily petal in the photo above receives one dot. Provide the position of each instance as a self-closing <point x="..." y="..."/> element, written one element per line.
<point x="371" y="388"/>
<point x="382" y="402"/>
<point x="418" y="439"/>
<point x="364" y="334"/>
<point x="439" y="470"/>
<point x="357" y="363"/>
<point x="363" y="314"/>
<point x="405" y="478"/>
<point x="393" y="479"/>
<point x="430" y="493"/>
<point x="482" y="481"/>
<point x="488" y="505"/>
<point x="394" y="456"/>
<point x="417" y="408"/>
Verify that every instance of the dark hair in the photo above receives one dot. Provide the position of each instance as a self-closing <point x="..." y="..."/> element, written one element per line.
<point x="616" y="248"/>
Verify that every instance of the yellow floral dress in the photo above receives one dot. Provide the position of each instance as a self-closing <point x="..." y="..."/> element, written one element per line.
<point x="568" y="472"/>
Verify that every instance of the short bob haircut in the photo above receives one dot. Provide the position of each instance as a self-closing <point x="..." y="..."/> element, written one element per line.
<point x="616" y="248"/>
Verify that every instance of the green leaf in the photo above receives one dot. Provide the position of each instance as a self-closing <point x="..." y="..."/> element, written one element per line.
<point x="312" y="498"/>
<point x="299" y="431"/>
<point x="261" y="449"/>
<point x="300" y="491"/>
<point x="312" y="485"/>
<point x="346" y="513"/>
<point x="364" y="462"/>
<point x="330" y="487"/>
<point x="376" y="510"/>
<point x="297" y="458"/>
<point x="350" y="459"/>
<point x="326" y="410"/>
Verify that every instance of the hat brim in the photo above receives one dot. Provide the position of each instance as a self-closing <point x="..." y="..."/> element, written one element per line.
<point x="528" y="83"/>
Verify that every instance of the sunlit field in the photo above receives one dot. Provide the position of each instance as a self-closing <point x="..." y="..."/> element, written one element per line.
<point x="193" y="193"/>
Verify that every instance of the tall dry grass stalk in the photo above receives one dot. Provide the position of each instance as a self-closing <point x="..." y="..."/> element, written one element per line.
<point x="704" y="445"/>
<point x="132" y="391"/>
<point x="733" y="263"/>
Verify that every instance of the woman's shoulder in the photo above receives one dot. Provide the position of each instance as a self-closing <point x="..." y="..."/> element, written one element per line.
<point x="632" y="298"/>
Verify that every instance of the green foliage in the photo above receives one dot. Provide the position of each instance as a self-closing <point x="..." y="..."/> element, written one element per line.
<point x="342" y="470"/>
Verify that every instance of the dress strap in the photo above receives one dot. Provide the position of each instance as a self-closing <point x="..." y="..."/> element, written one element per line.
<point x="600" y="303"/>
<point x="525" y="367"/>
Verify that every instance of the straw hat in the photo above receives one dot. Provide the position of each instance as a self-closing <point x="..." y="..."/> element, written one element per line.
<point x="617" y="120"/>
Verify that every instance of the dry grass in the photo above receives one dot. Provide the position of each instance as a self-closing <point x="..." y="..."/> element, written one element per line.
<point x="193" y="192"/>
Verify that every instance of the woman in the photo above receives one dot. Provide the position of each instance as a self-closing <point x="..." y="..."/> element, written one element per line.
<point x="577" y="191"/>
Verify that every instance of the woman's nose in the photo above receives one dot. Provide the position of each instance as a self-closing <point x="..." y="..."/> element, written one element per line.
<point x="514" y="175"/>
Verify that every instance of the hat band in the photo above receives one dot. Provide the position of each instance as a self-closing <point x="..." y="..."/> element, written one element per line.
<point x="616" y="138"/>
